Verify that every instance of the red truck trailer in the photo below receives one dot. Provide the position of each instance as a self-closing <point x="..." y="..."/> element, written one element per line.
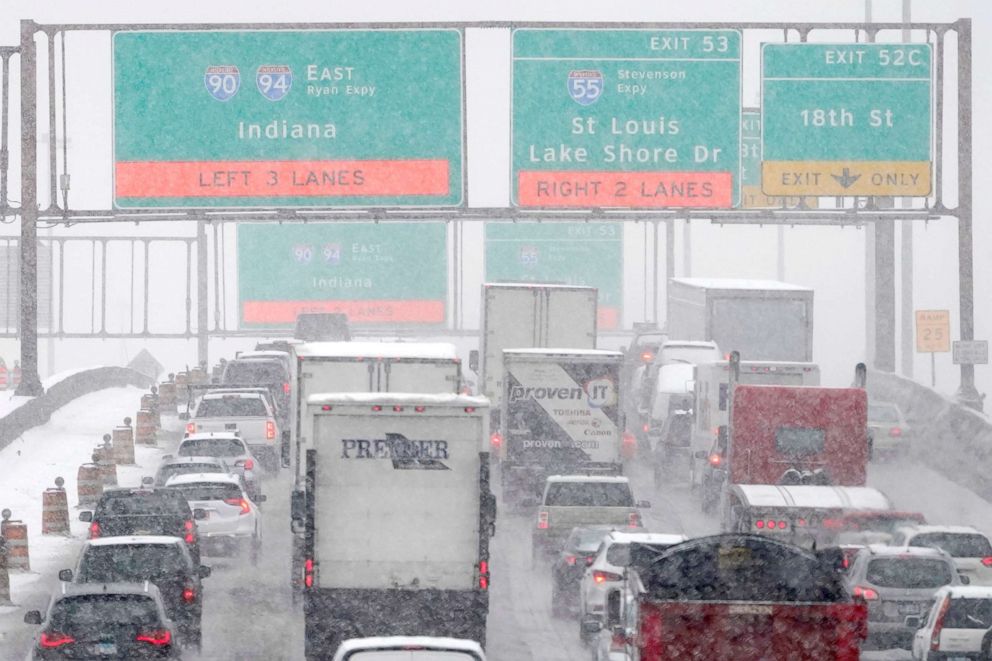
<point x="744" y="597"/>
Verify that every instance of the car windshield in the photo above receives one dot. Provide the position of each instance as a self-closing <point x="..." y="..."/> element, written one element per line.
<point x="966" y="613"/>
<point x="231" y="407"/>
<point x="97" y="611"/>
<point x="125" y="563"/>
<point x="151" y="503"/>
<point x="262" y="372"/>
<point x="589" y="494"/>
<point x="958" y="545"/>
<point x="216" y="447"/>
<point x="184" y="469"/>
<point x="882" y="413"/>
<point x="909" y="573"/>
<point x="209" y="491"/>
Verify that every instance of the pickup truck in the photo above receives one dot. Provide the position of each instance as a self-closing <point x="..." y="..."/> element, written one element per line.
<point x="248" y="414"/>
<point x="582" y="500"/>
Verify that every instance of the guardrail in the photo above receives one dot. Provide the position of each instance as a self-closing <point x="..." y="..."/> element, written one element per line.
<point x="951" y="438"/>
<point x="38" y="410"/>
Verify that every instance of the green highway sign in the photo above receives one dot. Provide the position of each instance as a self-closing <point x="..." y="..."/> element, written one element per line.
<point x="288" y="118"/>
<point x="626" y="118"/>
<point x="846" y="119"/>
<point x="383" y="273"/>
<point x="565" y="253"/>
<point x="751" y="195"/>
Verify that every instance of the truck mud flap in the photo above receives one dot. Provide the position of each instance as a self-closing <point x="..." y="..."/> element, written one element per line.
<point x="334" y="615"/>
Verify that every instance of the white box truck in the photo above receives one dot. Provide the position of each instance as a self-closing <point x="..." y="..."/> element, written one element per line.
<point x="341" y="367"/>
<point x="521" y="315"/>
<point x="398" y="516"/>
<point x="562" y="414"/>
<point x="762" y="319"/>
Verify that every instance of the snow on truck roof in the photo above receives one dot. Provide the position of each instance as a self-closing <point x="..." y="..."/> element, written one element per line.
<point x="536" y="285"/>
<point x="423" y="350"/>
<point x="734" y="283"/>
<point x="531" y="351"/>
<point x="855" y="498"/>
<point x="391" y="398"/>
<point x="588" y="478"/>
<point x="676" y="378"/>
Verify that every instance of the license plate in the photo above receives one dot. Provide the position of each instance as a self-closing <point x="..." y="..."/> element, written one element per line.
<point x="105" y="648"/>
<point x="142" y="532"/>
<point x="911" y="608"/>
<point x="231" y="425"/>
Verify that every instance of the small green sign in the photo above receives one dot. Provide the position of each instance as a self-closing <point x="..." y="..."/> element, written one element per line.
<point x="288" y="118"/>
<point x="626" y="118"/>
<point x="385" y="273"/>
<point x="588" y="254"/>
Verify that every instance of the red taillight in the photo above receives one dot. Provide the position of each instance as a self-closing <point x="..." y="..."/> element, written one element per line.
<point x="715" y="459"/>
<point x="570" y="560"/>
<point x="987" y="561"/>
<point x="629" y="446"/>
<point x="759" y="524"/>
<point x="249" y="464"/>
<point x="54" y="639"/>
<point x="867" y="594"/>
<point x="419" y="409"/>
<point x="189" y="595"/>
<point x="470" y="409"/>
<point x="633" y="520"/>
<point x="895" y="431"/>
<point x="94" y="530"/>
<point x="647" y="357"/>
<point x="483" y="575"/>
<point x="645" y="427"/>
<point x="601" y="577"/>
<point x="938" y="625"/>
<point x="241" y="502"/>
<point x="495" y="441"/>
<point x="542" y="520"/>
<point x="285" y="388"/>
<point x="308" y="573"/>
<point x="376" y="408"/>
<point x="833" y="524"/>
<point x="398" y="408"/>
<point x="326" y="407"/>
<point x="159" y="637"/>
<point x="270" y="429"/>
<point x="190" y="427"/>
<point x="590" y="559"/>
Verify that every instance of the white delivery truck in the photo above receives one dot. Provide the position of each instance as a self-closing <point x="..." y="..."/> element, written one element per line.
<point x="562" y="414"/>
<point x="521" y="315"/>
<point x="398" y="516"/>
<point x="327" y="367"/>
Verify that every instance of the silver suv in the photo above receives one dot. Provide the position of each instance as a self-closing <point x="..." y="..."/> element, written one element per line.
<point x="898" y="582"/>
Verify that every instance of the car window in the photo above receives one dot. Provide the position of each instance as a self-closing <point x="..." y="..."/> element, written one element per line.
<point x="589" y="494"/>
<point x="969" y="614"/>
<point x="909" y="573"/>
<point x="618" y="554"/>
<point x="185" y="469"/>
<point x="882" y="413"/>
<point x="126" y="563"/>
<point x="128" y="503"/>
<point x="209" y="491"/>
<point x="228" y="407"/>
<point x="958" y="545"/>
<point x="263" y="372"/>
<point x="97" y="611"/>
<point x="216" y="447"/>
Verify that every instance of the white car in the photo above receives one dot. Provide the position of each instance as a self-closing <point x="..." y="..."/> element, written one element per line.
<point x="958" y="624"/>
<point x="409" y="648"/>
<point x="227" y="446"/>
<point x="971" y="550"/>
<point x="231" y="516"/>
<point x="606" y="571"/>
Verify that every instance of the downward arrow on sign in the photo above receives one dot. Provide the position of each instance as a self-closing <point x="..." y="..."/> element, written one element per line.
<point x="846" y="179"/>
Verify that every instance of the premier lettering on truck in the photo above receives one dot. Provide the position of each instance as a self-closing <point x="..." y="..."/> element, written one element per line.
<point x="561" y="413"/>
<point x="397" y="518"/>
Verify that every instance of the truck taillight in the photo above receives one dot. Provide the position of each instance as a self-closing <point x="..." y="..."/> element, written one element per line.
<point x="542" y="520"/>
<point x="285" y="388"/>
<point x="419" y="409"/>
<point x="483" y="575"/>
<point x="647" y="357"/>
<point x="629" y="445"/>
<point x="308" y="572"/>
<point x="190" y="427"/>
<point x="895" y="431"/>
<point x="94" y="530"/>
<point x="715" y="459"/>
<point x="634" y="520"/>
<point x="270" y="429"/>
<point x="495" y="441"/>
<point x="189" y="594"/>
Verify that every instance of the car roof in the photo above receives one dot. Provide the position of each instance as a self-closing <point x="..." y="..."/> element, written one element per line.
<point x="622" y="537"/>
<point x="195" y="459"/>
<point x="968" y="591"/>
<point x="685" y="344"/>
<point x="142" y="490"/>
<point x="219" y="478"/>
<point x="931" y="528"/>
<point x="614" y="479"/>
<point x="261" y="353"/>
<point x="379" y="642"/>
<point x="202" y="435"/>
<point x="813" y="496"/>
<point x="239" y="394"/>
<point x="121" y="540"/>
<point x="144" y="587"/>
<point x="906" y="551"/>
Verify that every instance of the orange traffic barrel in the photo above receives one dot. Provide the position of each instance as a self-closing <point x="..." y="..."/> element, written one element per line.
<point x="3" y="375"/>
<point x="103" y="457"/>
<point x="150" y="403"/>
<point x="144" y="431"/>
<point x="167" y="398"/>
<point x="89" y="484"/>
<point x="55" y="510"/>
<point x="198" y="376"/>
<point x="182" y="387"/>
<point x="123" y="443"/>
<point x="16" y="534"/>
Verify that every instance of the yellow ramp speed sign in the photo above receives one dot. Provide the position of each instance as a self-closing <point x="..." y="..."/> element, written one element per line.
<point x="933" y="331"/>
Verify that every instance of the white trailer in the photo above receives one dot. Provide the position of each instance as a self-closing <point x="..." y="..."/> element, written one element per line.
<point x="398" y="516"/>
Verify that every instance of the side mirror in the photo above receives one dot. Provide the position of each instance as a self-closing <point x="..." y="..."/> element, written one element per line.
<point x="529" y="501"/>
<point x="913" y="622"/>
<point x="86" y="516"/>
<point x="473" y="360"/>
<point x="591" y="627"/>
<point x="700" y="454"/>
<point x="65" y="575"/>
<point x="297" y="527"/>
<point x="203" y="571"/>
<point x="147" y="480"/>
<point x="199" y="514"/>
<point x="964" y="579"/>
<point x="184" y="415"/>
<point x="643" y="504"/>
<point x="260" y="499"/>
<point x="32" y="617"/>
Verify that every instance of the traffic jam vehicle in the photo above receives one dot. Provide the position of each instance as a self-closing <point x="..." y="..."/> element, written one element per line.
<point x="410" y="648"/>
<point x="577" y="553"/>
<point x="970" y="548"/>
<point x="230" y="448"/>
<point x="248" y="415"/>
<point x="958" y="624"/>
<point x="231" y="519"/>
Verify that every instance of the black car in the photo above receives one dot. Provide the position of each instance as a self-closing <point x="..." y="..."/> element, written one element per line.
<point x="105" y="621"/>
<point x="144" y="511"/>
<point x="165" y="561"/>
<point x="578" y="553"/>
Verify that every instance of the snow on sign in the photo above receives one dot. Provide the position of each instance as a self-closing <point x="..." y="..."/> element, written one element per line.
<point x="626" y="118"/>
<point x="288" y="118"/>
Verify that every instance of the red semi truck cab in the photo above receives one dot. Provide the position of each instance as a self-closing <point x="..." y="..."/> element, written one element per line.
<point x="798" y="435"/>
<point x="747" y="598"/>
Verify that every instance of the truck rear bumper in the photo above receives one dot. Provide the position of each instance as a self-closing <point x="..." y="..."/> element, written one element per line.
<point x="333" y="615"/>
